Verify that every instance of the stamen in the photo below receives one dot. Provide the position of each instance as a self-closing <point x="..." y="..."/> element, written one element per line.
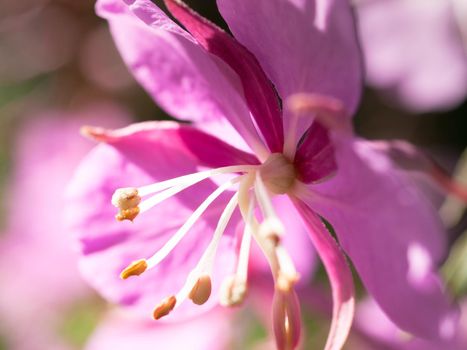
<point x="126" y="200"/>
<point x="177" y="237"/>
<point x="201" y="291"/>
<point x="232" y="292"/>
<point x="263" y="198"/>
<point x="164" y="308"/>
<point x="234" y="287"/>
<point x="127" y="214"/>
<point x="206" y="263"/>
<point x="193" y="178"/>
<point x="136" y="268"/>
<point x="272" y="228"/>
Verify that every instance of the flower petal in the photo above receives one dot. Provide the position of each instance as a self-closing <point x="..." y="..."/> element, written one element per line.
<point x="413" y="50"/>
<point x="120" y="331"/>
<point x="135" y="156"/>
<point x="315" y="159"/>
<point x="392" y="235"/>
<point x="339" y="275"/>
<point x="303" y="45"/>
<point x="371" y="322"/>
<point x="176" y="71"/>
<point x="259" y="92"/>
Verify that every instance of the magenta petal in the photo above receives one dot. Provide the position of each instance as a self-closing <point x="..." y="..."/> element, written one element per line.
<point x="176" y="71"/>
<point x="392" y="235"/>
<point x="339" y="275"/>
<point x="315" y="159"/>
<point x="135" y="156"/>
<point x="259" y="92"/>
<point x="302" y="45"/>
<point x="206" y="149"/>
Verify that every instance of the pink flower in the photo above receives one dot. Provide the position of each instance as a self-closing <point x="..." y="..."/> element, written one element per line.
<point x="182" y="185"/>
<point x="120" y="331"/>
<point x="414" y="51"/>
<point x="39" y="278"/>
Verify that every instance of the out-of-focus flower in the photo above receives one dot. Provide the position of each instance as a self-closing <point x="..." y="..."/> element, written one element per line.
<point x="121" y="331"/>
<point x="34" y="44"/>
<point x="305" y="155"/>
<point x="414" y="51"/>
<point x="383" y="334"/>
<point x="40" y="283"/>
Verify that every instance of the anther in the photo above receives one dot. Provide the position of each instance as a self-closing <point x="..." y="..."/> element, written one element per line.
<point x="271" y="228"/>
<point x="201" y="290"/>
<point x="136" y="268"/>
<point x="126" y="200"/>
<point x="164" y="308"/>
<point x="127" y="214"/>
<point x="232" y="292"/>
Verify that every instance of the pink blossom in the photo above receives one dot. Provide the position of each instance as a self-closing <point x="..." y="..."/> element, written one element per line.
<point x="39" y="278"/>
<point x="414" y="51"/>
<point x="280" y="165"/>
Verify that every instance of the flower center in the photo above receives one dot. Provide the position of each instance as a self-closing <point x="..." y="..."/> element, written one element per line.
<point x="278" y="173"/>
<point x="254" y="186"/>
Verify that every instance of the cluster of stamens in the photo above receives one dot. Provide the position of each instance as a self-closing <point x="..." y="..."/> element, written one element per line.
<point x="255" y="186"/>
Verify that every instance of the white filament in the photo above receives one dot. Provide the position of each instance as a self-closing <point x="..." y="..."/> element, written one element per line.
<point x="182" y="231"/>
<point x="206" y="263"/>
<point x="192" y="179"/>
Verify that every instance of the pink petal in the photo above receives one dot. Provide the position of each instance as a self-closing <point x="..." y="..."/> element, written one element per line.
<point x="121" y="332"/>
<point x="371" y="321"/>
<point x="139" y="155"/>
<point x="392" y="235"/>
<point x="413" y="50"/>
<point x="259" y="92"/>
<point x="176" y="71"/>
<point x="339" y="275"/>
<point x="302" y="45"/>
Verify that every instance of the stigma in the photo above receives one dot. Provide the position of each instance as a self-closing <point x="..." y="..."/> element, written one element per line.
<point x="252" y="188"/>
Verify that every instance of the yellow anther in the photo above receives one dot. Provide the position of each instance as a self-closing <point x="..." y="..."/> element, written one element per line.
<point x="136" y="268"/>
<point x="201" y="291"/>
<point x="127" y="214"/>
<point x="164" y="308"/>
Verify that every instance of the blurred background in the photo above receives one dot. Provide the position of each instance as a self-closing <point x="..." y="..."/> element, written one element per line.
<point x="59" y="70"/>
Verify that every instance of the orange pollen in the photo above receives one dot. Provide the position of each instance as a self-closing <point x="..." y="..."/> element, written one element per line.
<point x="136" y="268"/>
<point x="164" y="308"/>
<point x="201" y="290"/>
<point x="127" y="214"/>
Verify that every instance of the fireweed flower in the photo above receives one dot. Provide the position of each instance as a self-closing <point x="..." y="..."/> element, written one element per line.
<point x="177" y="187"/>
<point x="415" y="50"/>
<point x="40" y="282"/>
